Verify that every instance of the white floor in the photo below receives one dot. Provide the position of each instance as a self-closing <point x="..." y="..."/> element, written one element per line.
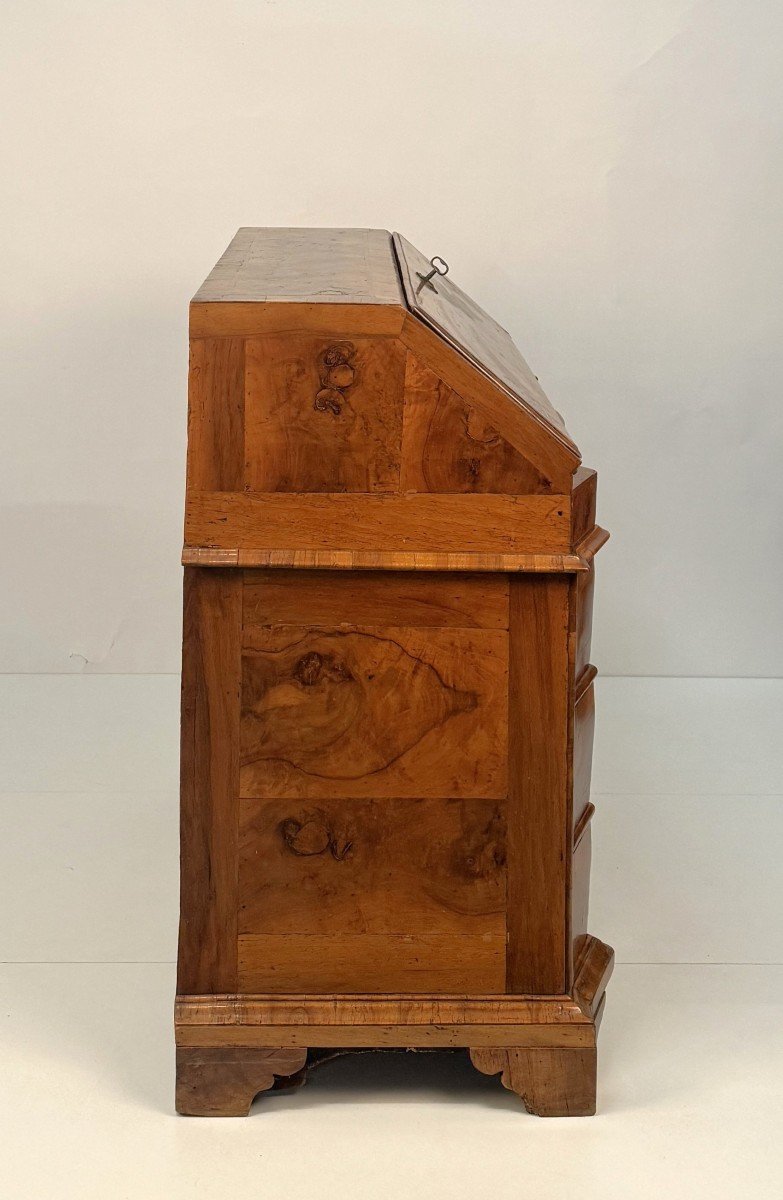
<point x="687" y="886"/>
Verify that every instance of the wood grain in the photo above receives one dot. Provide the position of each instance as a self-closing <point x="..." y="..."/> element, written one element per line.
<point x="223" y="1081"/>
<point x="372" y="962"/>
<point x="465" y="325"/>
<point x="275" y="521"/>
<point x="549" y="1082"/>
<point x="374" y="1010"/>
<point x="323" y="266"/>
<point x="585" y="591"/>
<point x="372" y="712"/>
<point x="418" y="600"/>
<point x="386" y="1035"/>
<point x="365" y="866"/>
<point x="595" y="966"/>
<point x="447" y="445"/>
<point x="583" y="503"/>
<point x="516" y="422"/>
<point x="209" y="781"/>
<point x="580" y="894"/>
<point x="323" y="415"/>
<point x="395" y="560"/>
<point x="216" y="414"/>
<point x="537" y="802"/>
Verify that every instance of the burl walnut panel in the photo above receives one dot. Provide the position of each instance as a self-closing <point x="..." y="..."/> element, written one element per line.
<point x="373" y="711"/>
<point x="368" y="866"/>
<point x="449" y="446"/>
<point x="372" y="841"/>
<point x="323" y="416"/>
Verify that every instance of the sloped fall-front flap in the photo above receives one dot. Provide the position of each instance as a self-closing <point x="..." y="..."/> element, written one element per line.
<point x="452" y="314"/>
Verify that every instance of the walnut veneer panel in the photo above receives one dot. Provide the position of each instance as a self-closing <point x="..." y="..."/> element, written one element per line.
<point x="371" y="866"/>
<point x="449" y="446"/>
<point x="415" y="599"/>
<point x="372" y="962"/>
<point x="465" y="325"/>
<point x="374" y="711"/>
<point x="410" y="523"/>
<point x="323" y="416"/>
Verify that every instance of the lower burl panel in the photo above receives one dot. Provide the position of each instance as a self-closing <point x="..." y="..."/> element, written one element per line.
<point x="372" y="866"/>
<point x="372" y="895"/>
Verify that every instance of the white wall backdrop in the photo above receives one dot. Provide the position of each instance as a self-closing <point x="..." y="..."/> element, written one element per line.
<point x="605" y="177"/>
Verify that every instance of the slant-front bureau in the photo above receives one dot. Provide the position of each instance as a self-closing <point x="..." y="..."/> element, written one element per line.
<point x="387" y="699"/>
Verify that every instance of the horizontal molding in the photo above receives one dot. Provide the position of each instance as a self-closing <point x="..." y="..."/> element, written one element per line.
<point x="421" y="1036"/>
<point x="361" y="1009"/>
<point x="383" y="560"/>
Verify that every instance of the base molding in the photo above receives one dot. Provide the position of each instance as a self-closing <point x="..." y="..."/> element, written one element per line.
<point x="230" y="1047"/>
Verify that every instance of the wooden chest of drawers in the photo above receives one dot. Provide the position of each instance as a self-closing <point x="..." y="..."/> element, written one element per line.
<point x="387" y="700"/>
